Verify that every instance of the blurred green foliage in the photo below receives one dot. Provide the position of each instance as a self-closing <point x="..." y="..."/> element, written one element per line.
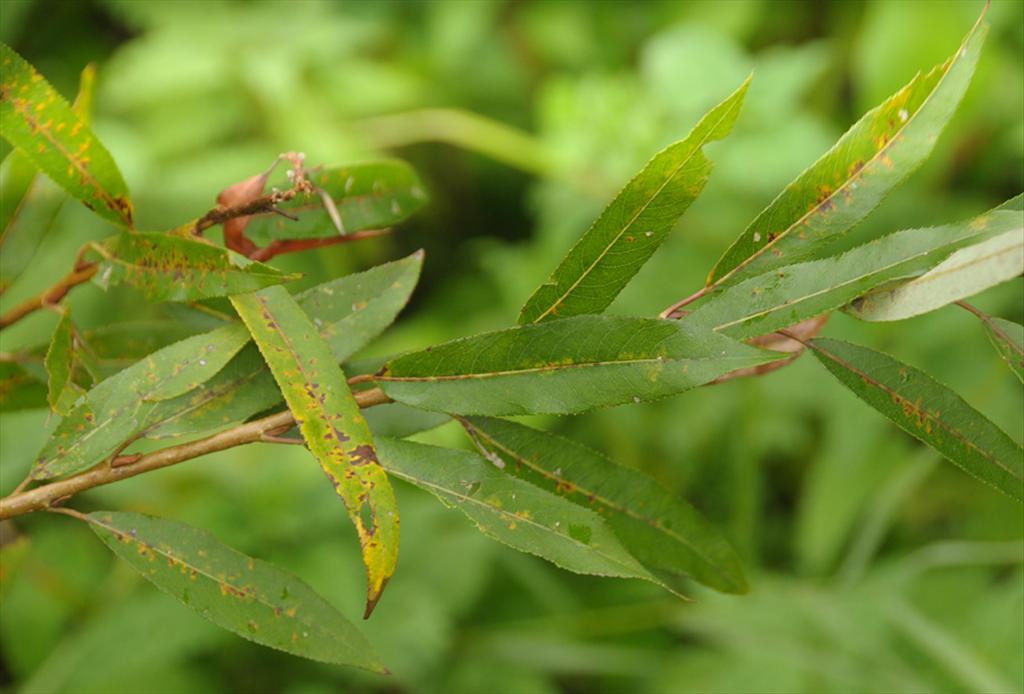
<point x="874" y="566"/>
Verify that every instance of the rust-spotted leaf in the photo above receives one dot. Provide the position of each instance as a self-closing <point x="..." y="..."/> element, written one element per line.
<point x="173" y="268"/>
<point x="848" y="181"/>
<point x="247" y="596"/>
<point x="329" y="419"/>
<point x="928" y="411"/>
<point x="37" y="120"/>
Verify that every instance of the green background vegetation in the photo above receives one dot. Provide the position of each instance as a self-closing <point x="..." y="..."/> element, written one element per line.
<point x="875" y="566"/>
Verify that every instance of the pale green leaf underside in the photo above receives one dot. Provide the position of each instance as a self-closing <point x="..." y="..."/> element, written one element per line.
<point x="314" y="387"/>
<point x="967" y="272"/>
<point x="247" y="596"/>
<point x="662" y="532"/>
<point x="565" y="366"/>
<point x="793" y="293"/>
<point x="373" y="195"/>
<point x="929" y="411"/>
<point x="849" y="180"/>
<point x="111" y="412"/>
<point x="634" y="224"/>
<point x="41" y="123"/>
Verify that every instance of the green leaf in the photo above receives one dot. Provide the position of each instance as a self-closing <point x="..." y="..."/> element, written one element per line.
<point x="565" y="366"/>
<point x="29" y="202"/>
<point x="61" y="391"/>
<point x="247" y="596"/>
<point x="663" y="532"/>
<point x="19" y="389"/>
<point x="328" y="416"/>
<point x="349" y="312"/>
<point x="112" y="412"/>
<point x="844" y="185"/>
<point x="173" y="268"/>
<point x="366" y="196"/>
<point x="928" y="411"/>
<point x="634" y="225"/>
<point x="512" y="511"/>
<point x="40" y="122"/>
<point x="397" y="421"/>
<point x="965" y="273"/>
<point x="790" y="294"/>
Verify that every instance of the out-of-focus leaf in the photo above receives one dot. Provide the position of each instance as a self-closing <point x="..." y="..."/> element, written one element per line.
<point x="328" y="416"/>
<point x="365" y="196"/>
<point x="172" y="268"/>
<point x="113" y="412"/>
<point x="663" y="532"/>
<point x="967" y="272"/>
<point x="349" y="312"/>
<point x="565" y="366"/>
<point x="871" y="159"/>
<point x="40" y="122"/>
<point x="61" y="390"/>
<point x="30" y="202"/>
<point x="12" y="556"/>
<point x="511" y="510"/>
<point x="20" y="390"/>
<point x="790" y="294"/>
<point x="928" y="411"/>
<point x="634" y="225"/>
<point x="250" y="597"/>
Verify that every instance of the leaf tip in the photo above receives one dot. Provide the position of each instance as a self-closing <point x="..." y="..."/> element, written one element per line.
<point x="373" y="597"/>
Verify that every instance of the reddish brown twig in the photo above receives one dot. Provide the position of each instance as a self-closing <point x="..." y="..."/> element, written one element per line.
<point x="282" y="246"/>
<point x="81" y="274"/>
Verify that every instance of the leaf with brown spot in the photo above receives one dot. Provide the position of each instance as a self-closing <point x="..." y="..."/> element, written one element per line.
<point x="113" y="411"/>
<point x="848" y="181"/>
<point x="172" y="268"/>
<point x="928" y="411"/>
<point x="663" y="532"/>
<point x="41" y="123"/>
<point x="331" y="423"/>
<point x="247" y="596"/>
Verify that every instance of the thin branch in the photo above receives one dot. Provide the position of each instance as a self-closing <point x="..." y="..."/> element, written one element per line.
<point x="282" y="246"/>
<point x="260" y="205"/>
<point x="80" y="275"/>
<point x="45" y="497"/>
<point x="674" y="308"/>
<point x="991" y="324"/>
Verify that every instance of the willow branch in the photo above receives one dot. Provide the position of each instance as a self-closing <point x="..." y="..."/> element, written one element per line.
<point x="80" y="275"/>
<point x="44" y="497"/>
<point x="260" y="205"/>
<point x="282" y="246"/>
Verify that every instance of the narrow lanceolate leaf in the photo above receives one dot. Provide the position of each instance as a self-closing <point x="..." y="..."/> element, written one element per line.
<point x="967" y="272"/>
<point x="29" y="201"/>
<point x="663" y="532"/>
<point x="328" y="416"/>
<point x="634" y="225"/>
<point x="41" y="123"/>
<point x="842" y="187"/>
<point x="61" y="391"/>
<point x="114" y="411"/>
<point x="172" y="268"/>
<point x="250" y="597"/>
<point x="793" y="293"/>
<point x="1007" y="337"/>
<point x="363" y="196"/>
<point x="565" y="366"/>
<point x="349" y="312"/>
<point x="929" y="411"/>
<point x="511" y="510"/>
